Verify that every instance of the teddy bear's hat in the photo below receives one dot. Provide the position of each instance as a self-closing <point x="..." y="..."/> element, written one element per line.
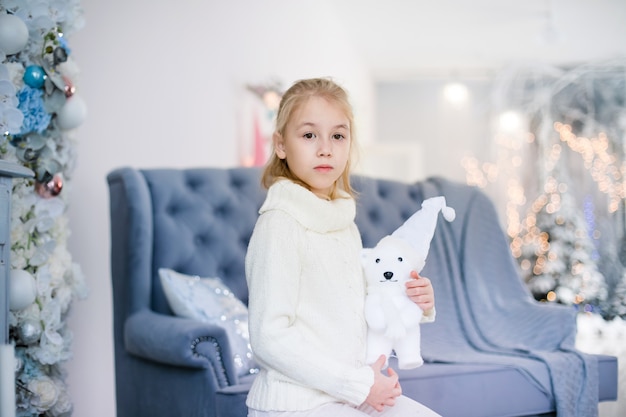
<point x="419" y="229"/>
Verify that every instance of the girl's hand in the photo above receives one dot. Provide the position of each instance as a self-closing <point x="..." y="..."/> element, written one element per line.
<point x="385" y="389"/>
<point x="420" y="291"/>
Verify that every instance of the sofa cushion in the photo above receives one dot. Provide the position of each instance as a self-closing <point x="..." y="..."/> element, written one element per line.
<point x="475" y="390"/>
<point x="210" y="300"/>
<point x="458" y="390"/>
<point x="451" y="389"/>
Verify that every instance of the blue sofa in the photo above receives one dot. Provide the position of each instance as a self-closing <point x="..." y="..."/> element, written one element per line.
<point x="492" y="352"/>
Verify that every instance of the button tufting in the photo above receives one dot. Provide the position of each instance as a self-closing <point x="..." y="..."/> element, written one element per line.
<point x="374" y="216"/>
<point x="224" y="271"/>
<point x="237" y="182"/>
<point x="172" y="210"/>
<point x="193" y="183"/>
<point x="222" y="210"/>
<point x="415" y="195"/>
<point x="200" y="240"/>
<point x="406" y="215"/>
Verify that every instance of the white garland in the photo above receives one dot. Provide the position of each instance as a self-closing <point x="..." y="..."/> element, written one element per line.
<point x="39" y="223"/>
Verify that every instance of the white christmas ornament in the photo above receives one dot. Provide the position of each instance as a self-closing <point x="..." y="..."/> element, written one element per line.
<point x="73" y="113"/>
<point x="23" y="289"/>
<point x="13" y="34"/>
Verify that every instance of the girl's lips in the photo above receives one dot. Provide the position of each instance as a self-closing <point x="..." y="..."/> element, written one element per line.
<point x="323" y="168"/>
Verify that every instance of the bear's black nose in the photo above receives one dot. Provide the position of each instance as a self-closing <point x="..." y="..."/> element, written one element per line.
<point x="388" y="275"/>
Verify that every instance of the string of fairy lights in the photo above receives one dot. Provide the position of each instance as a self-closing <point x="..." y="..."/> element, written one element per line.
<point x="557" y="174"/>
<point x="603" y="165"/>
<point x="523" y="228"/>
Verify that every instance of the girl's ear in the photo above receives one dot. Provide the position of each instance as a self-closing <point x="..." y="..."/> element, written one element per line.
<point x="279" y="145"/>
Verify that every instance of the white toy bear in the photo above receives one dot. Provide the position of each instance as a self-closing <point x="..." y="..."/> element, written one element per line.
<point x="393" y="319"/>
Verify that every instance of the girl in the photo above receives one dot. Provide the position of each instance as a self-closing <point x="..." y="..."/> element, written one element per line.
<point x="307" y="292"/>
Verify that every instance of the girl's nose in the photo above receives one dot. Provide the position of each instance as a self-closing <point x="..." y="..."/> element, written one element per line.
<point x="325" y="147"/>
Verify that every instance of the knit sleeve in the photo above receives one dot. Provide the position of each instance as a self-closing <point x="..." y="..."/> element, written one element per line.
<point x="273" y="274"/>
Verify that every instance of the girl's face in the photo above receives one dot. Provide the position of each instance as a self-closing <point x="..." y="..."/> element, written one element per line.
<point x="316" y="144"/>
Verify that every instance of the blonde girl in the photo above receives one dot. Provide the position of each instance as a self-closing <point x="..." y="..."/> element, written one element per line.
<point x="307" y="292"/>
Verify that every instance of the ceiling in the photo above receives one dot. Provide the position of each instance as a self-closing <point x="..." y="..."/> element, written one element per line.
<point x="412" y="38"/>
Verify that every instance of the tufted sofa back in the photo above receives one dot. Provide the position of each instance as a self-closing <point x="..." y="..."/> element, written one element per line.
<point x="209" y="214"/>
<point x="203" y="220"/>
<point x="383" y="205"/>
<point x="198" y="221"/>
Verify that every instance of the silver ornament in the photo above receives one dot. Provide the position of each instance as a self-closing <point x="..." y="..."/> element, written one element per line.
<point x="29" y="331"/>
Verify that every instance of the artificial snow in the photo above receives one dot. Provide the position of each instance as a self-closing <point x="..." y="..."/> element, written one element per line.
<point x="598" y="336"/>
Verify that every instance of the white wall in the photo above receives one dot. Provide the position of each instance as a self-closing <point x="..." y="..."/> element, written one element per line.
<point x="415" y="112"/>
<point x="163" y="82"/>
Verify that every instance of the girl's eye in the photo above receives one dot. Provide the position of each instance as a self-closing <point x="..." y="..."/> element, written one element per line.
<point x="309" y="135"/>
<point x="338" y="136"/>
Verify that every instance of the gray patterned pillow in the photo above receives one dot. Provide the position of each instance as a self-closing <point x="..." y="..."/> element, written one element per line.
<point x="210" y="300"/>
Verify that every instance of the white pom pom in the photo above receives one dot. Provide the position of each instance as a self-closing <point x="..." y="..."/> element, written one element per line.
<point x="448" y="213"/>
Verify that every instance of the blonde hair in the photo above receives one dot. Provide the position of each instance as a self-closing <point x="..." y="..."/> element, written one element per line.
<point x="292" y="99"/>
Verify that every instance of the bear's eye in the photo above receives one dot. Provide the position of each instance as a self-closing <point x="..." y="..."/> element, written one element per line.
<point x="377" y="260"/>
<point x="399" y="258"/>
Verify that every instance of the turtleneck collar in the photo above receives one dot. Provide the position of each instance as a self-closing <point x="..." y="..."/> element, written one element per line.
<point x="312" y="212"/>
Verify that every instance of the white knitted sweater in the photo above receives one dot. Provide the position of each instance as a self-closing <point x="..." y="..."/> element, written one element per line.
<point x="307" y="292"/>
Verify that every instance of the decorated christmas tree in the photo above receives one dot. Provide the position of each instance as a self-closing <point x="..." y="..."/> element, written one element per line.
<point x="555" y="251"/>
<point x="558" y="178"/>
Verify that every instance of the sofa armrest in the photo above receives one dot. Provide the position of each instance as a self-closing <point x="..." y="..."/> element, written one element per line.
<point x="177" y="341"/>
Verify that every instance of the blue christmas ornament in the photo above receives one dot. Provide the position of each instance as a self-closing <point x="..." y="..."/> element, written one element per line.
<point x="34" y="76"/>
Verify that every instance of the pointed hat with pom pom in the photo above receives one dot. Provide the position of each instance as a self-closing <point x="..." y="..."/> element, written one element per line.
<point x="419" y="229"/>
